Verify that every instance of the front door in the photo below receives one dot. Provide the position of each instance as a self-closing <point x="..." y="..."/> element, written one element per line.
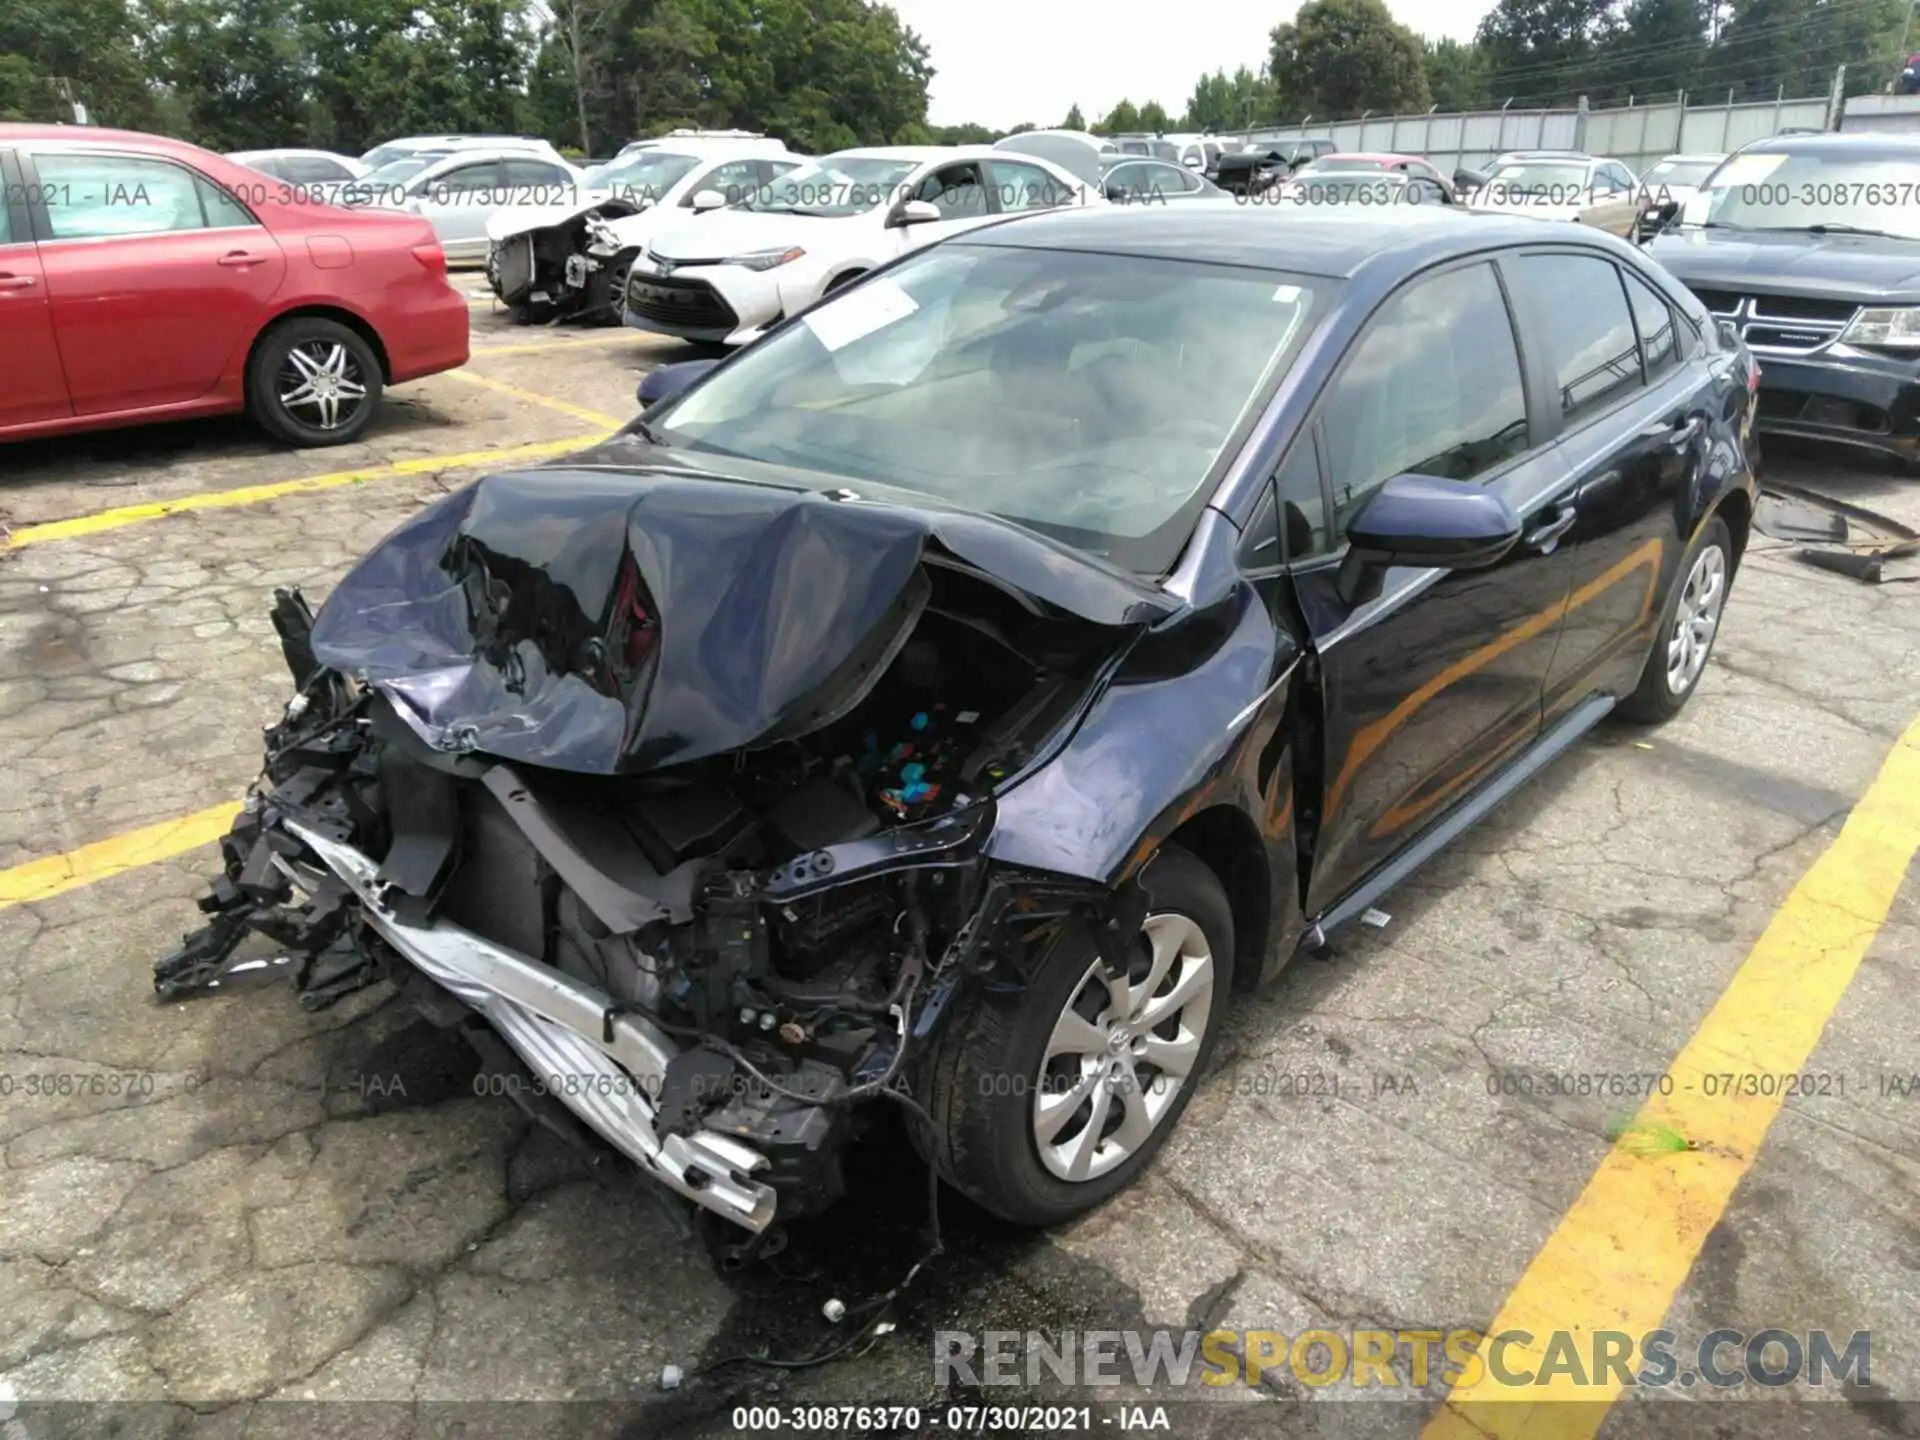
<point x="157" y="278"/>
<point x="1430" y="687"/>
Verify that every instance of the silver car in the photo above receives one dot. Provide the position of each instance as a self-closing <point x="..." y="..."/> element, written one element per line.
<point x="459" y="192"/>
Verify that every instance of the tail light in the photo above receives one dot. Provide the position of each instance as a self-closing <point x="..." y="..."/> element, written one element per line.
<point x="431" y="256"/>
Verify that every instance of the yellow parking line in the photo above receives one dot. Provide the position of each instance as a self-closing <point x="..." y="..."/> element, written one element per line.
<point x="254" y="494"/>
<point x="1625" y="1247"/>
<point x="43" y="879"/>
<point x="581" y="342"/>
<point x="564" y="407"/>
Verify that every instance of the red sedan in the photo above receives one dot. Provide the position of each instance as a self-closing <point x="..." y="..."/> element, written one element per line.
<point x="144" y="279"/>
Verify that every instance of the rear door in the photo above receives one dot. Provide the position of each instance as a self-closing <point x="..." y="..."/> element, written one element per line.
<point x="1634" y="398"/>
<point x="156" y="277"/>
<point x="1432" y="686"/>
<point x="32" y="385"/>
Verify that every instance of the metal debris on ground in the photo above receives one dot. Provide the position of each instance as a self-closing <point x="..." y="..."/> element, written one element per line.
<point x="1835" y="535"/>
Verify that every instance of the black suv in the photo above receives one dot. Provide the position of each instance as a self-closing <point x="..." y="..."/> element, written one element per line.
<point x="1810" y="246"/>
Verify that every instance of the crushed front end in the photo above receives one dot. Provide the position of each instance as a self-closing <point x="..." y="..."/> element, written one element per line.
<point x="714" y="965"/>
<point x="575" y="269"/>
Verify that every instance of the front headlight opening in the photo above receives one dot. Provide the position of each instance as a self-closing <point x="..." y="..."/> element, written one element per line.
<point x="1891" y="327"/>
<point x="766" y="259"/>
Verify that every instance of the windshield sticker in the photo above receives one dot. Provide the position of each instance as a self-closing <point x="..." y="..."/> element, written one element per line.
<point x="1286" y="294"/>
<point x="1747" y="170"/>
<point x="858" y="313"/>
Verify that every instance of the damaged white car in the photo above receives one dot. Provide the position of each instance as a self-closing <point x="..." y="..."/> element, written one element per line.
<point x="570" y="262"/>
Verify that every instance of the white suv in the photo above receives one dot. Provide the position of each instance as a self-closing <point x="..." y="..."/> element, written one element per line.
<point x="727" y="276"/>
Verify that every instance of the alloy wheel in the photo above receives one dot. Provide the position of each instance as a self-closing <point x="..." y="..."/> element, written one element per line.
<point x="321" y="384"/>
<point x="1121" y="1050"/>
<point x="1696" y="619"/>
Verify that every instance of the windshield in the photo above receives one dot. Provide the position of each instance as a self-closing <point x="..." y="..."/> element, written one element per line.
<point x="1536" y="180"/>
<point x="385" y="155"/>
<point x="1086" y="396"/>
<point x="1775" y="191"/>
<point x="1678" y="172"/>
<point x="645" y="175"/>
<point x="839" y="185"/>
<point x="398" y="171"/>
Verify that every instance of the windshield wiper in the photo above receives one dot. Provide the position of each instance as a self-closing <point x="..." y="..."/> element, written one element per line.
<point x="1840" y="227"/>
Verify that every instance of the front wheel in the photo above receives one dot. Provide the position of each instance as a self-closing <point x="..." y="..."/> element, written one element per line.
<point x="313" y="382"/>
<point x="1049" y="1100"/>
<point x="1689" y="624"/>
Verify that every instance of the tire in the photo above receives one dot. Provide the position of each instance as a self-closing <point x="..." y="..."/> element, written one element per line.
<point x="985" y="1085"/>
<point x="1666" y="684"/>
<point x="289" y="354"/>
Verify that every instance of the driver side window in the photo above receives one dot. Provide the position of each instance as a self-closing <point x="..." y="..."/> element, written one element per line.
<point x="1432" y="387"/>
<point x="956" y="191"/>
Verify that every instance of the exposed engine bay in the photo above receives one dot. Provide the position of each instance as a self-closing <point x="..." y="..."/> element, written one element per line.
<point x="575" y="270"/>
<point x="709" y="962"/>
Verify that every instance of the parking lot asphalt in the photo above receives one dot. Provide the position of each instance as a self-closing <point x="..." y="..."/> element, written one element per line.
<point x="214" y="1211"/>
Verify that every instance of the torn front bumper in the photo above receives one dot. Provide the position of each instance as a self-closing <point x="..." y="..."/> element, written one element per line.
<point x="608" y="1068"/>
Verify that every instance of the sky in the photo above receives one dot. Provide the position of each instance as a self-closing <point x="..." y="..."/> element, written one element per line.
<point x="1004" y="62"/>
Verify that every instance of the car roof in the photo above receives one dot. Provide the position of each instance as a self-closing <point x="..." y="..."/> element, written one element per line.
<point x="18" y="133"/>
<point x="1385" y="156"/>
<point x="1864" y="142"/>
<point x="480" y="155"/>
<point x="1336" y="246"/>
<point x="1691" y="159"/>
<point x="918" y="154"/>
<point x="1547" y="155"/>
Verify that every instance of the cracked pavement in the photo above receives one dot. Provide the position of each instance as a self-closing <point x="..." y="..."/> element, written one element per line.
<point x="217" y="1212"/>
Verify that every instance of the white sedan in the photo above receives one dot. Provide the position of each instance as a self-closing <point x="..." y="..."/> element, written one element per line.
<point x="1561" y="186"/>
<point x="726" y="277"/>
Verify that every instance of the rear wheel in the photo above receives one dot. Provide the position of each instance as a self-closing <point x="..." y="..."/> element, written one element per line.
<point x="1048" y="1100"/>
<point x="313" y="382"/>
<point x="1688" y="627"/>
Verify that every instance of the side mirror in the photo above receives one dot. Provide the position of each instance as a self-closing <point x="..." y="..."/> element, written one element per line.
<point x="1664" y="215"/>
<point x="914" y="212"/>
<point x="1427" y="521"/>
<point x="1464" y="179"/>
<point x="663" y="382"/>
<point x="706" y="200"/>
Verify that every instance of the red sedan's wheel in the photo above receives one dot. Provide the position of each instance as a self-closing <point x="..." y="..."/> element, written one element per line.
<point x="313" y="382"/>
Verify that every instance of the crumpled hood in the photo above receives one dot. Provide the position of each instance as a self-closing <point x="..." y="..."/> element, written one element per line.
<point x="521" y="221"/>
<point x="613" y="620"/>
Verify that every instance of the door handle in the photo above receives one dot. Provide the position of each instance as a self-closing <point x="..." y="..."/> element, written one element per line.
<point x="17" y="282"/>
<point x="1678" y="433"/>
<point x="1545" y="536"/>
<point x="239" y="258"/>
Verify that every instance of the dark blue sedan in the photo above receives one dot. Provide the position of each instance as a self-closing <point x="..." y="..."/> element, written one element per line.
<point x="948" y="698"/>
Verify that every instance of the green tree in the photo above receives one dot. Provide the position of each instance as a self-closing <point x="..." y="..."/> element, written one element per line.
<point x="1230" y="102"/>
<point x="1153" y="116"/>
<point x="1543" y="51"/>
<point x="1075" y="120"/>
<point x="236" y="69"/>
<point x="94" y="46"/>
<point x="1343" y="57"/>
<point x="1766" y="44"/>
<point x="1122" y="118"/>
<point x="1456" y="75"/>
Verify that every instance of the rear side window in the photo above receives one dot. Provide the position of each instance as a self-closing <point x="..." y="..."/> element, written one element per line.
<point x="220" y="207"/>
<point x="1654" y="319"/>
<point x="1431" y="387"/>
<point x="1579" y="313"/>
<point x="314" y="170"/>
<point x="97" y="197"/>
